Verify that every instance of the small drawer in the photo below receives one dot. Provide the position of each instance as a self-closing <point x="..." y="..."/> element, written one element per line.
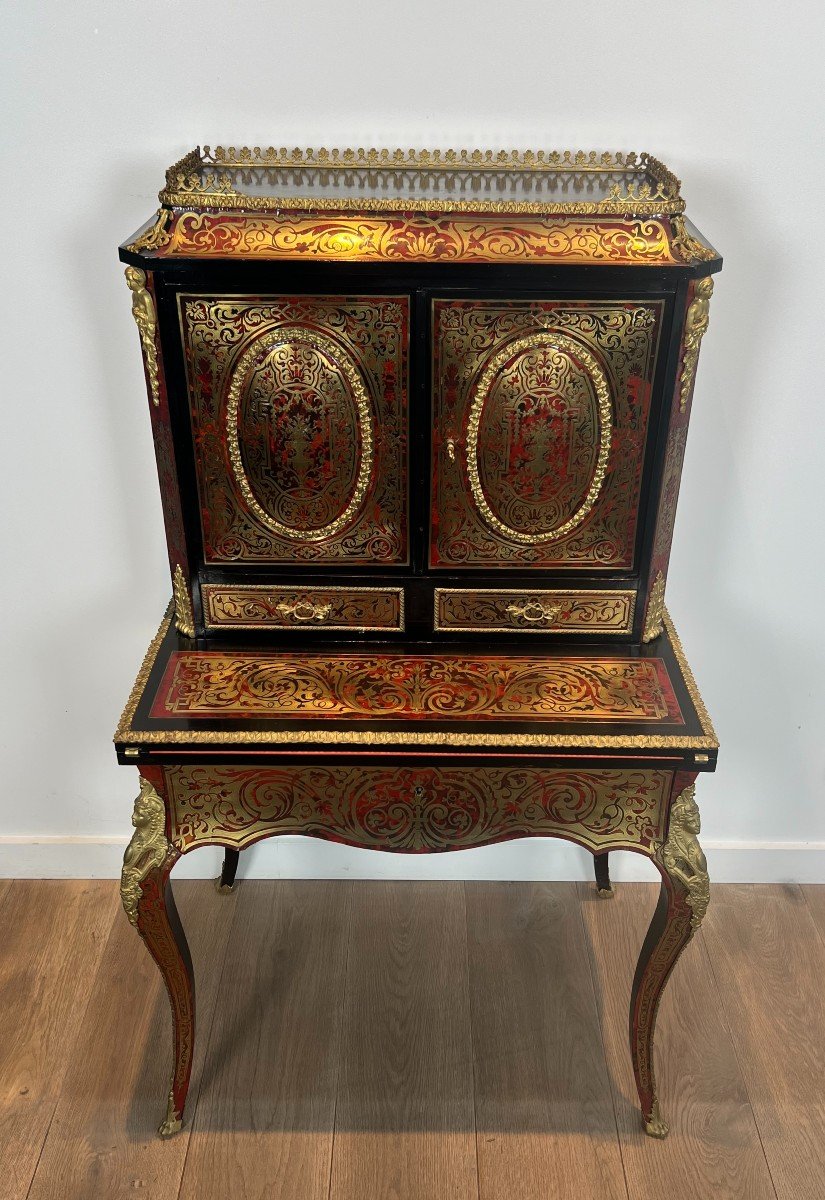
<point x="338" y="608"/>
<point x="497" y="610"/>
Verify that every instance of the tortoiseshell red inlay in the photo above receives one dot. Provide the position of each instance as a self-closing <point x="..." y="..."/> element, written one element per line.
<point x="201" y="684"/>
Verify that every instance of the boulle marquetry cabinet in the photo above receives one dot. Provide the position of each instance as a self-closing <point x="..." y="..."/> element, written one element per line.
<point x="419" y="421"/>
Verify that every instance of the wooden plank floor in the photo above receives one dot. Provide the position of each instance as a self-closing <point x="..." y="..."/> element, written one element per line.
<point x="409" y="1041"/>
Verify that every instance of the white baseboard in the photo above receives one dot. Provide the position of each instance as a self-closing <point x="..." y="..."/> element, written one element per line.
<point x="56" y="857"/>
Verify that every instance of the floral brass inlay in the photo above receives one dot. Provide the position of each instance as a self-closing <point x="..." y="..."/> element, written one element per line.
<point x="683" y="857"/>
<point x="419" y="239"/>
<point x="143" y="310"/>
<point x="550" y="444"/>
<point x="209" y="683"/>
<point x="503" y="610"/>
<point x="414" y="809"/>
<point x="147" y="849"/>
<point x="299" y="419"/>
<point x="563" y="469"/>
<point x="259" y="607"/>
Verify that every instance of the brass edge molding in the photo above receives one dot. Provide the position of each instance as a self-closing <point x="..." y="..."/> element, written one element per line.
<point x="156" y="236"/>
<point x="147" y="849"/>
<point x="568" y="348"/>
<point x="209" y="589"/>
<point x="143" y="310"/>
<point x="184" y="617"/>
<point x="143" y="674"/>
<point x="125" y="732"/>
<point x="341" y="360"/>
<point x="683" y="857"/>
<point x="654" y="615"/>
<point x="687" y="246"/>
<point x="689" y="679"/>
<point x="696" y="324"/>
<point x="403" y="738"/>
<point x="196" y="200"/>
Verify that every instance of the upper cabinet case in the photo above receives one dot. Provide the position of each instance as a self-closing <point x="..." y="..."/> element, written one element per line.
<point x="420" y="394"/>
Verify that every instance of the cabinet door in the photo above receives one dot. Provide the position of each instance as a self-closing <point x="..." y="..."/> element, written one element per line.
<point x="541" y="414"/>
<point x="298" y="407"/>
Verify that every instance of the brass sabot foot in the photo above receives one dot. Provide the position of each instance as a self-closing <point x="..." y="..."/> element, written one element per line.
<point x="605" y="893"/>
<point x="172" y="1124"/>
<point x="655" y="1127"/>
<point x="223" y="888"/>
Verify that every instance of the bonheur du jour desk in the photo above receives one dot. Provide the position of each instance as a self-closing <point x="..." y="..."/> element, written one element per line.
<point x="419" y="422"/>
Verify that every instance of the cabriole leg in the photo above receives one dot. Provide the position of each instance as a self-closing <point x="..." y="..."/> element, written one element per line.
<point x="683" y="901"/>
<point x="150" y="906"/>
<point x="601" y="865"/>
<point x="226" y="880"/>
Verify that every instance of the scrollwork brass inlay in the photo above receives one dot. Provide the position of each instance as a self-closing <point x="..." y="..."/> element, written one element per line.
<point x="696" y="324"/>
<point x="336" y="363"/>
<point x="541" y="459"/>
<point x="683" y="857"/>
<point x="549" y="359"/>
<point x="143" y="310"/>
<point x="256" y="606"/>
<point x="184" y="617"/>
<point x="410" y="238"/>
<point x="502" y="610"/>
<point x="416" y="808"/>
<point x="317" y="432"/>
<point x="147" y="849"/>
<point x="127" y="733"/>
<point x="385" y="686"/>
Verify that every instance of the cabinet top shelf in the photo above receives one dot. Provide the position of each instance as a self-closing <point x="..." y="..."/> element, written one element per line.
<point x="270" y="179"/>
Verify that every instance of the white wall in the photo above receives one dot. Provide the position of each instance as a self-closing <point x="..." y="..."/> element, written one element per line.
<point x="100" y="97"/>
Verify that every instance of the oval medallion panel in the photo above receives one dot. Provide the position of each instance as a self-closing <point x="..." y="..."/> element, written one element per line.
<point x="538" y="437"/>
<point x="300" y="433"/>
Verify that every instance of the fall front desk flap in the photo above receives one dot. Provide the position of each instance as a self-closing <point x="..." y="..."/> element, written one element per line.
<point x="229" y="695"/>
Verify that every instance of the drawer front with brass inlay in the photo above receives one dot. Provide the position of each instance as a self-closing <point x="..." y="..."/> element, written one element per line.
<point x="414" y="808"/>
<point x="259" y="607"/>
<point x="501" y="610"/>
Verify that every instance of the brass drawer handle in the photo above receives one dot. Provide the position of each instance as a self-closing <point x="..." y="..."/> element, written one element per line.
<point x="304" y="610"/>
<point x="533" y="611"/>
